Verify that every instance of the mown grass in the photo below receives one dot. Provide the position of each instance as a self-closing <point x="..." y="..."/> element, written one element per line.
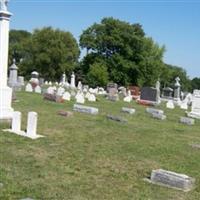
<point x="89" y="157"/>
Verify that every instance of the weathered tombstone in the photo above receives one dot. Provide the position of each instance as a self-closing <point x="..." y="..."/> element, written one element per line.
<point x="92" y="98"/>
<point x="50" y="90"/>
<point x="16" y="122"/>
<point x="187" y="120"/>
<point x="135" y="91"/>
<point x="195" y="112"/>
<point x="128" y="110"/>
<point x="32" y="126"/>
<point x="65" y="113"/>
<point x="28" y="88"/>
<point x="13" y="82"/>
<point x="34" y="79"/>
<point x="60" y="91"/>
<point x="167" y="93"/>
<point x="116" y="118"/>
<point x="80" y="98"/>
<point x="20" y="80"/>
<point x="170" y="104"/>
<point x="159" y="116"/>
<point x="80" y="86"/>
<point x="85" y="109"/>
<point x="153" y="110"/>
<point x="177" y="89"/>
<point x="41" y="81"/>
<point x="72" y="83"/>
<point x="66" y="96"/>
<point x="38" y="89"/>
<point x="184" y="105"/>
<point x="172" y="180"/>
<point x="129" y="97"/>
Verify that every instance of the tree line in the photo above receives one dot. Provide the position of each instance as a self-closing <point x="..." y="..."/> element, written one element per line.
<point x="115" y="51"/>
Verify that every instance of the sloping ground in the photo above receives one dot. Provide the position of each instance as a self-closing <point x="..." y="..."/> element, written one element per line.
<point x="89" y="157"/>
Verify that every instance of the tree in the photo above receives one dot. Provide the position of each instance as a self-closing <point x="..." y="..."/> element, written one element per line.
<point x="195" y="83"/>
<point x="51" y="52"/>
<point x="17" y="43"/>
<point x="128" y="55"/>
<point x="169" y="74"/>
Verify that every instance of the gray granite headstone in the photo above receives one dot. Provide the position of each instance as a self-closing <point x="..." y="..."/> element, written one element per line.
<point x="153" y="110"/>
<point x="149" y="94"/>
<point x="159" y="116"/>
<point x="116" y="118"/>
<point x="187" y="120"/>
<point x="86" y="109"/>
<point x="128" y="110"/>
<point x="172" y="179"/>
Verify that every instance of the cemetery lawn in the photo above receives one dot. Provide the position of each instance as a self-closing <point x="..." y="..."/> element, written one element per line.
<point x="87" y="157"/>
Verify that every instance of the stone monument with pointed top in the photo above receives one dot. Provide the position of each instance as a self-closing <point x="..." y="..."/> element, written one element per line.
<point x="5" y="92"/>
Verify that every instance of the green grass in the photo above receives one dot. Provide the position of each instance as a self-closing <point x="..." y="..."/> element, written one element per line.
<point x="89" y="157"/>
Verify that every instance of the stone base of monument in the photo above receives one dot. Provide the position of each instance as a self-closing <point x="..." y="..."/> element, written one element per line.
<point x="172" y="180"/>
<point x="194" y="115"/>
<point x="5" y="103"/>
<point x="24" y="134"/>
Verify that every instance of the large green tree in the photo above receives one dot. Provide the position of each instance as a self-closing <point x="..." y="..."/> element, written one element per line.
<point x="18" y="39"/>
<point x="123" y="50"/>
<point x="50" y="52"/>
<point x="196" y="83"/>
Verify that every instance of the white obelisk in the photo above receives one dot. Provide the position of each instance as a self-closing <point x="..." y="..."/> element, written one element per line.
<point x="5" y="92"/>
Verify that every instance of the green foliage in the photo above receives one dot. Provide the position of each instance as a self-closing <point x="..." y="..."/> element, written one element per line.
<point x="98" y="75"/>
<point x="17" y="41"/>
<point x="130" y="56"/>
<point x="195" y="83"/>
<point x="171" y="72"/>
<point x="50" y="52"/>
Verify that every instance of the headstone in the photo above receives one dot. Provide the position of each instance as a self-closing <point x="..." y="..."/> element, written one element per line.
<point x="34" y="79"/>
<point x="158" y="91"/>
<point x="135" y="91"/>
<point x="28" y="88"/>
<point x="72" y="83"/>
<point x="65" y="113"/>
<point x="60" y="91"/>
<point x="116" y="118"/>
<point x="159" y="116"/>
<point x="66" y="96"/>
<point x="196" y="146"/>
<point x="16" y="122"/>
<point x="153" y="110"/>
<point x="187" y="120"/>
<point x="170" y="104"/>
<point x="50" y="90"/>
<point x="122" y="91"/>
<point x="21" y="80"/>
<point x="80" y="86"/>
<point x="80" y="98"/>
<point x="149" y="94"/>
<point x="177" y="89"/>
<point x="86" y="109"/>
<point x="172" y="179"/>
<point x="13" y="82"/>
<point x="92" y="98"/>
<point x="38" y="89"/>
<point x="128" y="110"/>
<point x="128" y="98"/>
<point x="167" y="93"/>
<point x="195" y="112"/>
<point x="32" y="126"/>
<point x="184" y="105"/>
<point x="41" y="81"/>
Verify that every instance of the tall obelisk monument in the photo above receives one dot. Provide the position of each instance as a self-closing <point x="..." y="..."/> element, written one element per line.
<point x="5" y="92"/>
